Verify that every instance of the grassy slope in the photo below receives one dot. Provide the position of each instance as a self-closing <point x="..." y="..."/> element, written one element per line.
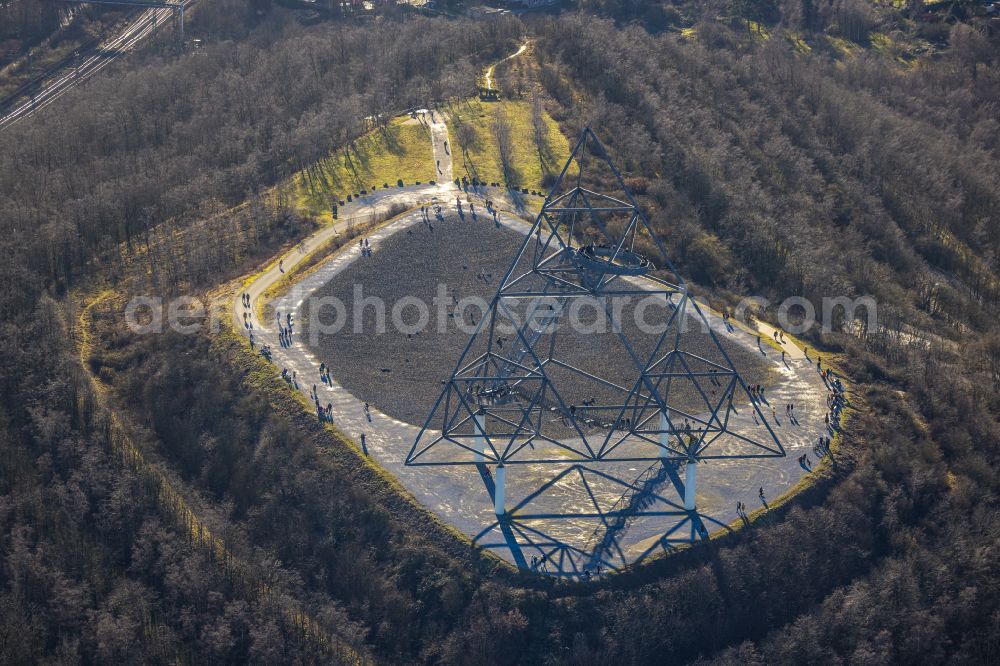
<point x="403" y="151"/>
<point x="482" y="161"/>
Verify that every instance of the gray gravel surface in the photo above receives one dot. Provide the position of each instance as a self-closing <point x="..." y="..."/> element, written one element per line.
<point x="401" y="373"/>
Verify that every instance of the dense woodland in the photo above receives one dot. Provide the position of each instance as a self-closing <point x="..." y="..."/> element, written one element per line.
<point x="768" y="171"/>
<point x="26" y="23"/>
<point x="33" y="30"/>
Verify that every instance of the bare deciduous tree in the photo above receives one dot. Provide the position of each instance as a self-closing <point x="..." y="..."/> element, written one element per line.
<point x="503" y="135"/>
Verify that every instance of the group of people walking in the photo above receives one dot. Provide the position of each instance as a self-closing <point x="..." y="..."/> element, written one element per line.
<point x="490" y="208"/>
<point x="822" y="447"/>
<point x="741" y="511"/>
<point x="836" y="399"/>
<point x="425" y="216"/>
<point x="284" y="332"/>
<point x="741" y="507"/>
<point x="324" y="413"/>
<point x="248" y="317"/>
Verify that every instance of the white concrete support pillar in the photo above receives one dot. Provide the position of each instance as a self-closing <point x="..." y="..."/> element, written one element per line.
<point x="664" y="435"/>
<point x="479" y="442"/>
<point x="690" y="484"/>
<point x="499" y="488"/>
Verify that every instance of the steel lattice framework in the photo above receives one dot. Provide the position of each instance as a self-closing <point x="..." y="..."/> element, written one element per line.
<point x="521" y="399"/>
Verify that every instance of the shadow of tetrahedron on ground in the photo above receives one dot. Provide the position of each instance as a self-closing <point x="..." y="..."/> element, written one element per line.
<point x="584" y="537"/>
<point x="514" y="398"/>
<point x="522" y="393"/>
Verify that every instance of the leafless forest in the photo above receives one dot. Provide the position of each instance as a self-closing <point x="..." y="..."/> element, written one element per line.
<point x="767" y="169"/>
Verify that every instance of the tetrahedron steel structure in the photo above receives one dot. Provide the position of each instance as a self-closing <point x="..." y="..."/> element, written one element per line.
<point x="532" y="387"/>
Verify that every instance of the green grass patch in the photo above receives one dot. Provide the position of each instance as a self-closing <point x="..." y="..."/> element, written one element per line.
<point x="401" y="151"/>
<point x="798" y="42"/>
<point x="534" y="165"/>
<point x="844" y="48"/>
<point x="759" y="29"/>
<point x="881" y="42"/>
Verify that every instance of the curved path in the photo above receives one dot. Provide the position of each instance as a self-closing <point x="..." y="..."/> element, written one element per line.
<point x="488" y="75"/>
<point x="558" y="517"/>
<point x="362" y="209"/>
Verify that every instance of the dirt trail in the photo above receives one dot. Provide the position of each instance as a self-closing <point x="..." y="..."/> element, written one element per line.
<point x="488" y="74"/>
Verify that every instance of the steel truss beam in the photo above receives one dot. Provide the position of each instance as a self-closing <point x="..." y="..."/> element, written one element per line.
<point x="497" y="404"/>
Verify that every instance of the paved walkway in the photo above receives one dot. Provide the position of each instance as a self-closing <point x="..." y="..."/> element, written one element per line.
<point x="559" y="517"/>
<point x="442" y="149"/>
<point x="363" y="209"/>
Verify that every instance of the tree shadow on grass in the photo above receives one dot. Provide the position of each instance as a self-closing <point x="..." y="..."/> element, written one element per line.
<point x="391" y="138"/>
